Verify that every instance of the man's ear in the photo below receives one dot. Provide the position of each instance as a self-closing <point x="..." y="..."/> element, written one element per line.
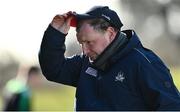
<point x="111" y="33"/>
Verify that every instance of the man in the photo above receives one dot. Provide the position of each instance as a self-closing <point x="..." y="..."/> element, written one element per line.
<point x="115" y="72"/>
<point x="17" y="95"/>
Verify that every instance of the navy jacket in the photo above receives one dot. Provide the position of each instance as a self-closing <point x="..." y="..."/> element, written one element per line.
<point x="135" y="80"/>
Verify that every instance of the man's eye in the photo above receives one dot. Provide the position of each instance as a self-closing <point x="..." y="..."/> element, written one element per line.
<point x="89" y="42"/>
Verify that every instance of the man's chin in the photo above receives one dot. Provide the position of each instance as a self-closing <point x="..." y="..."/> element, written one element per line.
<point x="91" y="60"/>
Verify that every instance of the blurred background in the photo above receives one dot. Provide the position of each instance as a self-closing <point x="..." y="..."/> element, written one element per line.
<point x="23" y="22"/>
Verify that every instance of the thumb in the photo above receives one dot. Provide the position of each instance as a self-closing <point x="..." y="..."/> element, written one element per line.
<point x="66" y="26"/>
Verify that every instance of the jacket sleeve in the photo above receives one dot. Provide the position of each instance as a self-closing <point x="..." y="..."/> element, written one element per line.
<point x="55" y="67"/>
<point x="157" y="87"/>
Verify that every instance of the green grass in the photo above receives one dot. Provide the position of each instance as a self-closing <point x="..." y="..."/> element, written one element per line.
<point x="52" y="99"/>
<point x="176" y="76"/>
<point x="0" y="102"/>
<point x="61" y="99"/>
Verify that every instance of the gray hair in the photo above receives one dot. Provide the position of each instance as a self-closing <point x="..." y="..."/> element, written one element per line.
<point x="98" y="24"/>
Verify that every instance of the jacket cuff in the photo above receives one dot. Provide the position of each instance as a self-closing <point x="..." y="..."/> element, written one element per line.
<point x="53" y="31"/>
<point x="53" y="38"/>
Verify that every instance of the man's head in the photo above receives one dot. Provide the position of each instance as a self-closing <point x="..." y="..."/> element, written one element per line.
<point x="34" y="76"/>
<point x="96" y="29"/>
<point x="34" y="70"/>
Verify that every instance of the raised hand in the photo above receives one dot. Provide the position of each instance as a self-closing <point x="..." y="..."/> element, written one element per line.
<point x="62" y="22"/>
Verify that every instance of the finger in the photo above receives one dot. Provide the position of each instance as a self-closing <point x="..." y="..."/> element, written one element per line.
<point x="68" y="14"/>
<point x="58" y="18"/>
<point x="68" y="20"/>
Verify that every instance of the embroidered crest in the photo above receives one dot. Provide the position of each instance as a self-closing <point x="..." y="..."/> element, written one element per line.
<point x="120" y="77"/>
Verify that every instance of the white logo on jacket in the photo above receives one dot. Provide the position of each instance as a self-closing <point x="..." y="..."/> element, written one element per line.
<point x="91" y="71"/>
<point x="120" y="77"/>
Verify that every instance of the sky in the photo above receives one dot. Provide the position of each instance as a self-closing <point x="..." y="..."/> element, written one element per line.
<point x="23" y="22"/>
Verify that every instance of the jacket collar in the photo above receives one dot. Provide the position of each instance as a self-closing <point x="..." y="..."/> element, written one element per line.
<point x="124" y="42"/>
<point x="102" y="61"/>
<point x="133" y="42"/>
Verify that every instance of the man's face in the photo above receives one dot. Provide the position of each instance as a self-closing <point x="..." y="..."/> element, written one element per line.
<point x="92" y="42"/>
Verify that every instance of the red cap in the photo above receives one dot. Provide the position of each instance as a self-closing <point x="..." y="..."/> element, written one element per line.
<point x="73" y="22"/>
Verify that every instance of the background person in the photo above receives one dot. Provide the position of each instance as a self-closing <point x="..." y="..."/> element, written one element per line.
<point x="17" y="94"/>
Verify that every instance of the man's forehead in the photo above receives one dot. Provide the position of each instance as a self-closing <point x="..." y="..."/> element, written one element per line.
<point x="86" y="32"/>
<point x="85" y="27"/>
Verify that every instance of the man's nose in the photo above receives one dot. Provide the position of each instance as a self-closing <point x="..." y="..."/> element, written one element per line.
<point x="85" y="49"/>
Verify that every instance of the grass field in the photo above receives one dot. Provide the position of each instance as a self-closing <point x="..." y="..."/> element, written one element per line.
<point x="62" y="98"/>
<point x="52" y="99"/>
<point x="176" y="76"/>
